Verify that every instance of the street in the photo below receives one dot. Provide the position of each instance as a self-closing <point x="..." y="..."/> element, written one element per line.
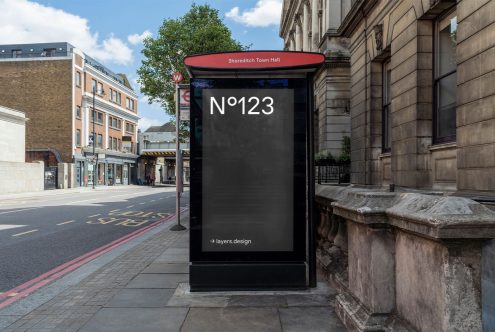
<point x="40" y="233"/>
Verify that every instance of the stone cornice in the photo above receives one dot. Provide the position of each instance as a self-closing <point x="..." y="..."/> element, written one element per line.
<point x="431" y="216"/>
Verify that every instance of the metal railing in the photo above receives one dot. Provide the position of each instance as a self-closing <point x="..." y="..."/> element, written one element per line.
<point x="332" y="172"/>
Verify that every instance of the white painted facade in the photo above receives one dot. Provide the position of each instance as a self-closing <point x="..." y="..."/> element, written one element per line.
<point x="12" y="135"/>
<point x="15" y="175"/>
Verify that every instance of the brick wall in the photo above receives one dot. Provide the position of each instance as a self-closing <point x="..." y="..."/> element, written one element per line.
<point x="43" y="90"/>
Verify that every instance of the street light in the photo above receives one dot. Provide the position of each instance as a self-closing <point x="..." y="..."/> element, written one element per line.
<point x="95" y="158"/>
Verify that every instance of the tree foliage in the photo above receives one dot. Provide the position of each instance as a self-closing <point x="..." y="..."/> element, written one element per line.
<point x="199" y="31"/>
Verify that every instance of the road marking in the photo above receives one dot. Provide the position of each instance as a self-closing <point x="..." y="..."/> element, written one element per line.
<point x="19" y="210"/>
<point x="23" y="233"/>
<point x="4" y="227"/>
<point x="41" y="280"/>
<point x="152" y="200"/>
<point x="130" y="206"/>
<point x="95" y="215"/>
<point x="65" y="222"/>
<point x="115" y="210"/>
<point x="141" y="203"/>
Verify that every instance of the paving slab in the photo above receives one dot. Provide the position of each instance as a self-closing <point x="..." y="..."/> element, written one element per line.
<point x="170" y="280"/>
<point x="176" y="250"/>
<point x="314" y="319"/>
<point x="172" y="258"/>
<point x="141" y="298"/>
<point x="314" y="300"/>
<point x="167" y="268"/>
<point x="136" y="319"/>
<point x="7" y="320"/>
<point x="232" y="319"/>
<point x="257" y="301"/>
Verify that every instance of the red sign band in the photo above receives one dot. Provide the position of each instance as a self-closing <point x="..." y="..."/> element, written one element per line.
<point x="255" y="60"/>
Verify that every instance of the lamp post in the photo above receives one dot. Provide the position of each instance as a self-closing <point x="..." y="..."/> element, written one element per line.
<point x="95" y="158"/>
<point x="95" y="166"/>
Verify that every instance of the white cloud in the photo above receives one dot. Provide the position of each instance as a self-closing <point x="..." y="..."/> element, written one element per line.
<point x="135" y="39"/>
<point x="24" y="21"/>
<point x="144" y="123"/>
<point x="263" y="14"/>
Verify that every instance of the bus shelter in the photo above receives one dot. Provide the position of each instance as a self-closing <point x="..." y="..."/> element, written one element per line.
<point x="251" y="162"/>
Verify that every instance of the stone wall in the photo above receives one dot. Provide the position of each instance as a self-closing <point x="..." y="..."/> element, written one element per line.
<point x="18" y="177"/>
<point x="476" y="95"/>
<point x="409" y="261"/>
<point x="403" y="31"/>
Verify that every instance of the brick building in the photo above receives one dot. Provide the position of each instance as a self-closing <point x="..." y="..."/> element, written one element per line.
<point x="53" y="84"/>
<point x="417" y="79"/>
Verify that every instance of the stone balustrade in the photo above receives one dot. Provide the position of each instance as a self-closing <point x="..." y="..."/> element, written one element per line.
<point x="403" y="261"/>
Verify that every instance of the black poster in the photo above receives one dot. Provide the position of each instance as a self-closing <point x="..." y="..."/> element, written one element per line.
<point x="247" y="170"/>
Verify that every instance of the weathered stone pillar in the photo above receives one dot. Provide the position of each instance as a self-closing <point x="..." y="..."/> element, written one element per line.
<point x="371" y="297"/>
<point x="305" y="28"/>
<point x="315" y="36"/>
<point x="414" y="260"/>
<point x="298" y="36"/>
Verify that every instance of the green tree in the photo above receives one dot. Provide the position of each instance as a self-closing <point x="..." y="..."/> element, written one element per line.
<point x="199" y="31"/>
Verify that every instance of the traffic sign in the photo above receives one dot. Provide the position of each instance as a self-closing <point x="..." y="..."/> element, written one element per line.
<point x="177" y="77"/>
<point x="185" y="98"/>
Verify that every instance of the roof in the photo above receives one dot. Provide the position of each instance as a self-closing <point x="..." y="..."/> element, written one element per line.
<point x="165" y="128"/>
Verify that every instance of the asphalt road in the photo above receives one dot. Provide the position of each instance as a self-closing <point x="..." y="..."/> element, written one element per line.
<point x="40" y="233"/>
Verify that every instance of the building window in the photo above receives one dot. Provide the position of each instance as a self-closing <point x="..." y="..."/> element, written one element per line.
<point x="93" y="86"/>
<point x="445" y="83"/>
<point x="114" y="144"/>
<point x="78" y="112"/>
<point x="119" y="124"/>
<point x="48" y="52"/>
<point x="78" y="79"/>
<point x="129" y="127"/>
<point x="98" y="116"/>
<point x="99" y="89"/>
<point x="78" y="137"/>
<point x="115" y="96"/>
<point x="129" y="104"/>
<point x="119" y="142"/>
<point x="386" y="102"/>
<point x="110" y="142"/>
<point x="100" y="140"/>
<point x="16" y="53"/>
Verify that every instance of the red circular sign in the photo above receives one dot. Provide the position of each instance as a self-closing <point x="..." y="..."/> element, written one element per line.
<point x="177" y="77"/>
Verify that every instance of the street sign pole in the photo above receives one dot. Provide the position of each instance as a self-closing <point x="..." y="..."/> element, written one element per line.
<point x="178" y="155"/>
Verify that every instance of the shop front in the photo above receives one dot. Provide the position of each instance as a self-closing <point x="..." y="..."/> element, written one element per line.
<point x="106" y="169"/>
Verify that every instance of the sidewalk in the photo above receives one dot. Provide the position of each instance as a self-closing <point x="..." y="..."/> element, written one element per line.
<point x="146" y="289"/>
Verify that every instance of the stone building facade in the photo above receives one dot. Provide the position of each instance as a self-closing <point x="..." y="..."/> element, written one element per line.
<point x="411" y="81"/>
<point x="53" y="84"/>
<point x="418" y="79"/>
<point x="422" y="80"/>
<point x="312" y="26"/>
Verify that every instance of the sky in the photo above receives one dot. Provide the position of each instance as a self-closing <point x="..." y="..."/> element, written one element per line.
<point x="112" y="31"/>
